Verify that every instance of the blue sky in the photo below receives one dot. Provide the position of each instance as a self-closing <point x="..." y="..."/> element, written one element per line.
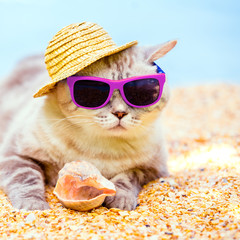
<point x="208" y="32"/>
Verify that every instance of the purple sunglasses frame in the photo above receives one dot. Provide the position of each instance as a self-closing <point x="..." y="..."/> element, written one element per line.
<point x="113" y="84"/>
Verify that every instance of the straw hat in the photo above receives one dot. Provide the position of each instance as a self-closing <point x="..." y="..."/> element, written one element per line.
<point x="74" y="48"/>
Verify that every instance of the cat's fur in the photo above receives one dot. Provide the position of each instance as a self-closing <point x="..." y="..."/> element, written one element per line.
<point x="38" y="136"/>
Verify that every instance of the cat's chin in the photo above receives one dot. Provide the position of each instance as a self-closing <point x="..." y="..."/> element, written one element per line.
<point x="117" y="130"/>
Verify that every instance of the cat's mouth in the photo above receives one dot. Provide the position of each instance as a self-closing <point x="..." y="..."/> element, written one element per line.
<point x="117" y="127"/>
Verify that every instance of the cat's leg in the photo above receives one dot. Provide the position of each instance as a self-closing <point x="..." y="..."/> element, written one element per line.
<point x="23" y="182"/>
<point x="128" y="184"/>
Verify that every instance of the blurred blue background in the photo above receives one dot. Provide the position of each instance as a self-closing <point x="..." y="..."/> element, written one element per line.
<point x="208" y="32"/>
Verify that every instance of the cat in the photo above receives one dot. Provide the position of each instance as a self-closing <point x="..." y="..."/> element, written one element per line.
<point x="38" y="136"/>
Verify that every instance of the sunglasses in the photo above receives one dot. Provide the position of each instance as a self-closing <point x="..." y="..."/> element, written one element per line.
<point x="94" y="92"/>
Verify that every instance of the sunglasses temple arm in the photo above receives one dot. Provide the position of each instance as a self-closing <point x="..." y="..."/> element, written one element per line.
<point x="159" y="70"/>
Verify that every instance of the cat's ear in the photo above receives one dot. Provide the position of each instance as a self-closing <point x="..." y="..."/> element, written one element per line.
<point x="155" y="52"/>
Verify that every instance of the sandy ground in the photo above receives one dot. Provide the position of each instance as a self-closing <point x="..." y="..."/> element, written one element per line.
<point x="200" y="200"/>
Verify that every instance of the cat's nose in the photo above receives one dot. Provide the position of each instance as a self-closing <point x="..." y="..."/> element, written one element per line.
<point x="120" y="115"/>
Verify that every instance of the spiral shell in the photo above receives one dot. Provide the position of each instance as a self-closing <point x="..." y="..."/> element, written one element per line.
<point x="81" y="186"/>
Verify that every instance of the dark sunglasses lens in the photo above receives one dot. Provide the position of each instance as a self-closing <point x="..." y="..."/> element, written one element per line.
<point x="142" y="92"/>
<point x="90" y="93"/>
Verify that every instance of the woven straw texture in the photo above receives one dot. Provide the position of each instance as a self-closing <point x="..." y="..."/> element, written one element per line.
<point x="75" y="47"/>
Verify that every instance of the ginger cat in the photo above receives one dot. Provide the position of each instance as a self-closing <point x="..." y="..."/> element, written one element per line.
<point x="38" y="136"/>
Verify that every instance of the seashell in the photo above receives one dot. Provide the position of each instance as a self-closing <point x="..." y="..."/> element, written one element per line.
<point x="81" y="186"/>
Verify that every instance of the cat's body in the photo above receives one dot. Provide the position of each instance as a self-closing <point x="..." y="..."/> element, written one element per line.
<point x="38" y="136"/>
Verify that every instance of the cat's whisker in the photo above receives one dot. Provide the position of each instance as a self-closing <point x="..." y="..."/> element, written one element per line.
<point x="57" y="122"/>
<point x="71" y="117"/>
<point x="136" y="121"/>
<point x="77" y="124"/>
<point x="85" y="124"/>
<point x="133" y="122"/>
<point x="75" y="116"/>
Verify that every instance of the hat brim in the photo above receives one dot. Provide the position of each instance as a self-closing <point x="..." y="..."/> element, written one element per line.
<point x="47" y="88"/>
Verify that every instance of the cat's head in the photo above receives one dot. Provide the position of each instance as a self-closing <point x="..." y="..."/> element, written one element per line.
<point x="117" y="118"/>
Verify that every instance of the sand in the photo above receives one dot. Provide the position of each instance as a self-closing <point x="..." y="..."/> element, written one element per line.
<point x="200" y="200"/>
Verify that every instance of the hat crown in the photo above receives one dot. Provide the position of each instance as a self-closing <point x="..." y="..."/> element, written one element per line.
<point x="73" y="42"/>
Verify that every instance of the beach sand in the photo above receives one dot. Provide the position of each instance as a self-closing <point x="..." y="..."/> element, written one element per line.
<point x="200" y="199"/>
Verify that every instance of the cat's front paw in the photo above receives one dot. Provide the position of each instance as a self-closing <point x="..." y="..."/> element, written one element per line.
<point x="30" y="204"/>
<point x="123" y="200"/>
